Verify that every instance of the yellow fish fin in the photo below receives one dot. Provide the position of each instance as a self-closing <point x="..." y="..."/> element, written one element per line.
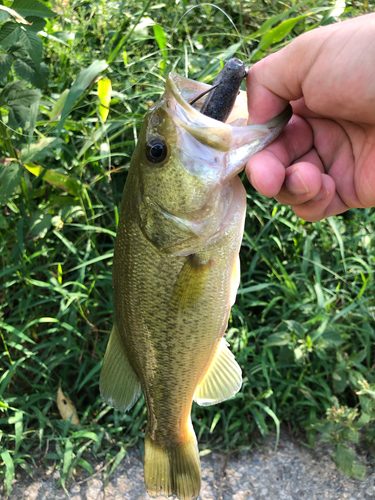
<point x="174" y="469"/>
<point x="119" y="385"/>
<point x="222" y="380"/>
<point x="190" y="285"/>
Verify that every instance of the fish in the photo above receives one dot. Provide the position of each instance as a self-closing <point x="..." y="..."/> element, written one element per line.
<point x="176" y="274"/>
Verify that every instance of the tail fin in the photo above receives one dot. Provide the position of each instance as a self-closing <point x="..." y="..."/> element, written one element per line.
<point x="175" y="470"/>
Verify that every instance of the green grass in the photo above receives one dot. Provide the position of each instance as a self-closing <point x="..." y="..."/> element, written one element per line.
<point x="302" y="328"/>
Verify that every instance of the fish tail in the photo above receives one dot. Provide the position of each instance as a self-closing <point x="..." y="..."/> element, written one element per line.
<point x="173" y="470"/>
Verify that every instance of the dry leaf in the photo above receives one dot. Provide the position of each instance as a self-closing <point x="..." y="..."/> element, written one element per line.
<point x="66" y="407"/>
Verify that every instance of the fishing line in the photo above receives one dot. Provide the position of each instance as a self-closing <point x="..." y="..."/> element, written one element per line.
<point x="16" y="131"/>
<point x="225" y="14"/>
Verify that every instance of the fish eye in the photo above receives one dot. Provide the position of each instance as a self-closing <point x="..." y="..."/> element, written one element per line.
<point x="156" y="150"/>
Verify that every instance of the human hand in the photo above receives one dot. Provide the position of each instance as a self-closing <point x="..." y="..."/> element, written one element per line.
<point x="323" y="163"/>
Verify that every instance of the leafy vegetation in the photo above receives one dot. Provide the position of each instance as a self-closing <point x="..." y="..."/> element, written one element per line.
<point x="76" y="79"/>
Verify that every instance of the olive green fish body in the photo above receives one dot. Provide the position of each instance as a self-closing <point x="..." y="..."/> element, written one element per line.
<point x="175" y="276"/>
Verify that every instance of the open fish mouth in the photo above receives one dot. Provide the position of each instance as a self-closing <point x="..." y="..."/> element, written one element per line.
<point x="234" y="141"/>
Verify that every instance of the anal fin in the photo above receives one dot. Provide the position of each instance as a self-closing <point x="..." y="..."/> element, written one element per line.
<point x="119" y="385"/>
<point x="222" y="380"/>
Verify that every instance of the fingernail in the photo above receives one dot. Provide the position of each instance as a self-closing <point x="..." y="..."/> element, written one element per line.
<point x="295" y="184"/>
<point x="323" y="193"/>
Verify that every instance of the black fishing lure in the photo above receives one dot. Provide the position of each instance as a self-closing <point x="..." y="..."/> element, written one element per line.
<point x="221" y="98"/>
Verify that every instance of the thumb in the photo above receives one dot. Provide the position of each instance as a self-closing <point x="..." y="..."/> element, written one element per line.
<point x="273" y="82"/>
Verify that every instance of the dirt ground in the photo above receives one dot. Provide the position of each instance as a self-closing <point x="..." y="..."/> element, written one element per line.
<point x="294" y="472"/>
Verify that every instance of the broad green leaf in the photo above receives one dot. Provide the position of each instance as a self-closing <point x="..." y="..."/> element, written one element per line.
<point x="40" y="150"/>
<point x="18" y="100"/>
<point x="14" y="86"/>
<point x="10" y="176"/>
<point x="340" y="380"/>
<point x="358" y="357"/>
<point x="4" y="15"/>
<point x="5" y="63"/>
<point x="332" y="338"/>
<point x="40" y="224"/>
<point x="25" y="68"/>
<point x="9" y="34"/>
<point x="295" y="327"/>
<point x="351" y="435"/>
<point x="84" y="79"/>
<point x="32" y="8"/>
<point x="33" y="44"/>
<point x="281" y="338"/>
<point x="15" y="94"/>
<point x="18" y="50"/>
<point x="344" y="458"/>
<point x="104" y="94"/>
<point x="36" y="23"/>
<point x="60" y="180"/>
<point x="358" y="470"/>
<point x="17" y="115"/>
<point x="58" y="107"/>
<point x="9" y="469"/>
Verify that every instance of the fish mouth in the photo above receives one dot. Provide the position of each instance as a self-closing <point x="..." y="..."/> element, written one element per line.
<point x="236" y="140"/>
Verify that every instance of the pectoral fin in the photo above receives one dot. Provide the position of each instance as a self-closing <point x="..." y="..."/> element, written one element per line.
<point x="119" y="385"/>
<point x="191" y="284"/>
<point x="223" y="379"/>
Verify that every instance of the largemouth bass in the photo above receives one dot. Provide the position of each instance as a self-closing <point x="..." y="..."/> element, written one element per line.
<point x="176" y="274"/>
